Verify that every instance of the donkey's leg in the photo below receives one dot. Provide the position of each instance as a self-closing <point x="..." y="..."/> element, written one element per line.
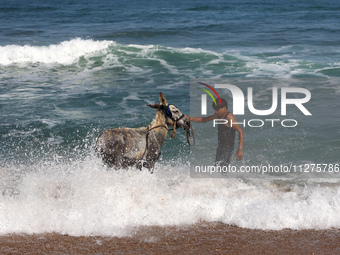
<point x="151" y="160"/>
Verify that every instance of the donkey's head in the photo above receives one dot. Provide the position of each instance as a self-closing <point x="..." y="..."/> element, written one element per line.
<point x="174" y="117"/>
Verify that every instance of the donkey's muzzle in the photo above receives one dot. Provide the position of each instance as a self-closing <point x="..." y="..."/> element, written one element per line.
<point x="186" y="123"/>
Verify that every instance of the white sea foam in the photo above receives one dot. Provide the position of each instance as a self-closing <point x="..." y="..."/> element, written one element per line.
<point x="83" y="198"/>
<point x="148" y="60"/>
<point x="65" y="53"/>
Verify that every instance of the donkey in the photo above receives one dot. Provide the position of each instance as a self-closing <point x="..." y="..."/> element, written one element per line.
<point x="141" y="147"/>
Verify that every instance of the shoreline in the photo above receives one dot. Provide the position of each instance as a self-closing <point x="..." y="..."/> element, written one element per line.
<point x="202" y="238"/>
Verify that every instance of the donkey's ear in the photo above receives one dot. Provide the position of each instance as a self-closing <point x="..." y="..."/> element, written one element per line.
<point x="162" y="99"/>
<point x="156" y="106"/>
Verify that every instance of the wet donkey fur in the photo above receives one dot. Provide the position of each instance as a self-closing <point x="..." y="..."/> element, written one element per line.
<point x="124" y="147"/>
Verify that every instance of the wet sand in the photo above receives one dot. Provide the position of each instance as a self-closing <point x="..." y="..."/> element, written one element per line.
<point x="202" y="238"/>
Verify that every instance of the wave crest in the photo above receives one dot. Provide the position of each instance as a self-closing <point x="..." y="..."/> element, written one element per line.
<point x="65" y="53"/>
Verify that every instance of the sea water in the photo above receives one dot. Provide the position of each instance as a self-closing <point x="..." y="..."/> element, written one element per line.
<point x="71" y="69"/>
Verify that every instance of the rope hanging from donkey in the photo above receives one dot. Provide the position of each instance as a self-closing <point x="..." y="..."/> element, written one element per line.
<point x="147" y="136"/>
<point x="171" y="135"/>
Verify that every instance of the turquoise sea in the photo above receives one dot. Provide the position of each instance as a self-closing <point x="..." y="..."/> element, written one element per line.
<point x="71" y="69"/>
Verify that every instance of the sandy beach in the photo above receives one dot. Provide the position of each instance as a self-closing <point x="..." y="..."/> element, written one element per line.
<point x="202" y="238"/>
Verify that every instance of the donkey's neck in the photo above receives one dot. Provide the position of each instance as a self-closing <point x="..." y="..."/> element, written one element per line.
<point x="159" y="127"/>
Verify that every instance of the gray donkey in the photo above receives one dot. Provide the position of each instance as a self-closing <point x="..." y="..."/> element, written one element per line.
<point x="141" y="147"/>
